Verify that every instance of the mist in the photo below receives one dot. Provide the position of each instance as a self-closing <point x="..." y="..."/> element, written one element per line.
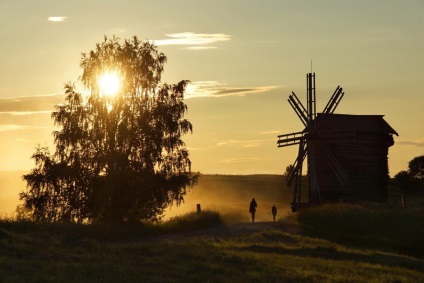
<point x="11" y="184"/>
<point x="223" y="193"/>
<point x="233" y="193"/>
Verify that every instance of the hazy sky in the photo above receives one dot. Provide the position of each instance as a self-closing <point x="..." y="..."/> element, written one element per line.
<point x="243" y="57"/>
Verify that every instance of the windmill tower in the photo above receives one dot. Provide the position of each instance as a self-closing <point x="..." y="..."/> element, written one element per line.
<point x="310" y="140"/>
<point x="347" y="155"/>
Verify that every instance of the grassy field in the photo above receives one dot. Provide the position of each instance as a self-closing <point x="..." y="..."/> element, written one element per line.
<point x="331" y="243"/>
<point x="339" y="243"/>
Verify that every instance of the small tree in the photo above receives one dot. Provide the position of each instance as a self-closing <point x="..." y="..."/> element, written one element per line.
<point x="416" y="167"/>
<point x="413" y="178"/>
<point x="289" y="168"/>
<point x="404" y="180"/>
<point x="117" y="158"/>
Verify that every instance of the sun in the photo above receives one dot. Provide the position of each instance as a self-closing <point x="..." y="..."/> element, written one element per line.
<point x="109" y="83"/>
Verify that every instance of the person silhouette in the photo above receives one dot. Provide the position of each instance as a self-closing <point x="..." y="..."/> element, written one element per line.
<point x="274" y="211"/>
<point x="252" y="208"/>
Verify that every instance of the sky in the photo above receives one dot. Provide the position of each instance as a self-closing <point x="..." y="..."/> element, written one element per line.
<point x="244" y="58"/>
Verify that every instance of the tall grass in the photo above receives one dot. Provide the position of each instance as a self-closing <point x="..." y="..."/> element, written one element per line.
<point x="191" y="221"/>
<point x="113" y="231"/>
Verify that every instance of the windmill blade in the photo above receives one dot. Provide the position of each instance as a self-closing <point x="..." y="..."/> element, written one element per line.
<point x="314" y="192"/>
<point x="298" y="108"/>
<point x="335" y="165"/>
<point x="297" y="191"/>
<point x="311" y="96"/>
<point x="297" y="165"/>
<point x="334" y="101"/>
<point x="290" y="139"/>
<point x="331" y="106"/>
<point x="299" y="103"/>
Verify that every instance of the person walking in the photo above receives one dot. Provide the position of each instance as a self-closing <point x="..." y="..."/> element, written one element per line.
<point x="252" y="208"/>
<point x="274" y="211"/>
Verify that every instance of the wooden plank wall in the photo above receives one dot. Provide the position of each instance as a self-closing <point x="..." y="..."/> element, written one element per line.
<point x="366" y="164"/>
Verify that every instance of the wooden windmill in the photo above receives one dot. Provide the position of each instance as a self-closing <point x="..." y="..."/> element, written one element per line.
<point x="347" y="154"/>
<point x="309" y="140"/>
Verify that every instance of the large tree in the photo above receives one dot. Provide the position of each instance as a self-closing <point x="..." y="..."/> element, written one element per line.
<point x="120" y="157"/>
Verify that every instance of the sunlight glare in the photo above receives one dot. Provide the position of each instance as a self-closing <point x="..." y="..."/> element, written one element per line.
<point x="109" y="83"/>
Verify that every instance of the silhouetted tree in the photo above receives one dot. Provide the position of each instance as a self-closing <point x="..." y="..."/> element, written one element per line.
<point x="288" y="169"/>
<point x="404" y="180"/>
<point x="416" y="167"/>
<point x="413" y="178"/>
<point x="117" y="158"/>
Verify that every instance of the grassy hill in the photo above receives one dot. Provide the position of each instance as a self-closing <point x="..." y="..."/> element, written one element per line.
<point x="331" y="243"/>
<point x="331" y="246"/>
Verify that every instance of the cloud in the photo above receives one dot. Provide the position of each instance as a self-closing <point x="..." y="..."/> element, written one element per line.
<point x="25" y="113"/>
<point x="245" y="143"/>
<point x="220" y="89"/>
<point x="56" y="19"/>
<point x="190" y="38"/>
<point x="270" y="132"/>
<point x="239" y="160"/>
<point x="29" y="105"/>
<point x="201" y="47"/>
<point x="413" y="143"/>
<point x="9" y="128"/>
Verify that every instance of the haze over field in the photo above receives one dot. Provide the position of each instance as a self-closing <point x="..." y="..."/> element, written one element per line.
<point x="243" y="58"/>
<point x="232" y="194"/>
<point x="224" y="193"/>
<point x="11" y="185"/>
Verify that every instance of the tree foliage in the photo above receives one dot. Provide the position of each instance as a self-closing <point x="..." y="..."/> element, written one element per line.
<point x="117" y="158"/>
<point x="416" y="167"/>
<point x="289" y="168"/>
<point x="413" y="178"/>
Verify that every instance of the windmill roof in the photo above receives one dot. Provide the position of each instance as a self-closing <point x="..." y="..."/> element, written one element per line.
<point x="356" y="123"/>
